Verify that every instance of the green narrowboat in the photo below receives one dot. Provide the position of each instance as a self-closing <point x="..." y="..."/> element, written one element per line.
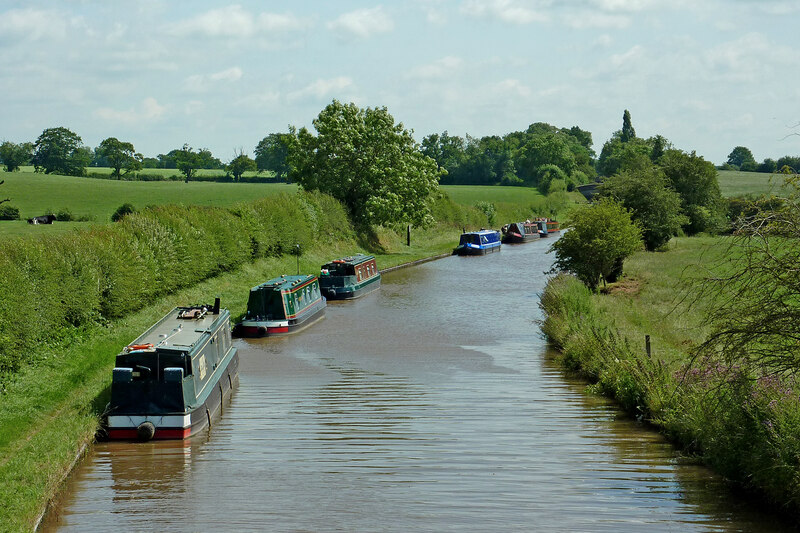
<point x="282" y="305"/>
<point x="349" y="277"/>
<point x="171" y="381"/>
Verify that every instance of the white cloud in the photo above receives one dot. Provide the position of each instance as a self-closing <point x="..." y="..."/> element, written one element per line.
<point x="235" y="22"/>
<point x="511" y="11"/>
<point x="31" y="24"/>
<point x="624" y="5"/>
<point x="362" y="23"/>
<point x="511" y="87"/>
<point x="202" y="82"/>
<point x="443" y="68"/>
<point x="591" y="19"/>
<point x="149" y="109"/>
<point x="321" y="88"/>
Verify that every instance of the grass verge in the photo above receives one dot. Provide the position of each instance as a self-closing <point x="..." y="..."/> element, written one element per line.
<point x="744" y="425"/>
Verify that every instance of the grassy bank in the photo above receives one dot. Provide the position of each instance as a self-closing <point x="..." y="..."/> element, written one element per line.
<point x="744" y="425"/>
<point x="737" y="183"/>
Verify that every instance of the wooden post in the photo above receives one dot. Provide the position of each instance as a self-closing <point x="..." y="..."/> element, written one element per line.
<point x="647" y="344"/>
<point x="408" y="236"/>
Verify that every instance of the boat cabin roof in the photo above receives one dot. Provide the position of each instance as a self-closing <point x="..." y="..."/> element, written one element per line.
<point x="352" y="260"/>
<point x="283" y="283"/>
<point x="178" y="330"/>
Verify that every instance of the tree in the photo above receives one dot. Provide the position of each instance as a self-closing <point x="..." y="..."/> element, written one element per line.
<point x="628" y="133"/>
<point x="369" y="163"/>
<point x="740" y="156"/>
<point x="618" y="155"/>
<point x="545" y="149"/>
<point x="695" y="179"/>
<point x="239" y="165"/>
<point x="188" y="161"/>
<point x="653" y="204"/>
<point x="59" y="150"/>
<point x="601" y="235"/>
<point x="119" y="155"/>
<point x="754" y="291"/>
<point x="14" y="155"/>
<point x="272" y="152"/>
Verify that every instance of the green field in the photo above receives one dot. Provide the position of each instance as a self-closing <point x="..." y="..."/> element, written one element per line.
<point x="736" y="183"/>
<point x="37" y="194"/>
<point x="471" y="194"/>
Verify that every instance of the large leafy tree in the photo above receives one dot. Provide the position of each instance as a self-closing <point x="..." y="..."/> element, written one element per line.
<point x="188" y="161"/>
<point x="15" y="155"/>
<point x="272" y="152"/>
<point x="369" y="163"/>
<point x="601" y="235"/>
<point x="60" y="151"/>
<point x="695" y="179"/>
<point x="119" y="155"/>
<point x="239" y="165"/>
<point x="742" y="158"/>
<point x="653" y="204"/>
<point x="545" y="149"/>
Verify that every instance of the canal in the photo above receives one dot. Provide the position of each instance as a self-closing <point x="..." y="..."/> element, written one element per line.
<point x="429" y="405"/>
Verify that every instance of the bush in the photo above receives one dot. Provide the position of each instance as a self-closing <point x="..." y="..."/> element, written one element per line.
<point x="124" y="209"/>
<point x="545" y="174"/>
<point x="488" y="209"/>
<point x="9" y="212"/>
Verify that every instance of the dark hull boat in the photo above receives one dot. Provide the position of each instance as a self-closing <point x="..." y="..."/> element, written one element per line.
<point x="478" y="243"/>
<point x="547" y="226"/>
<point x="171" y="381"/>
<point x="519" y="232"/>
<point x="282" y="305"/>
<point x="349" y="277"/>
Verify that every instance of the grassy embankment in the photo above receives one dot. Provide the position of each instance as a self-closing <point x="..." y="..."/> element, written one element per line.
<point x="50" y="407"/>
<point x="745" y="426"/>
<point x="737" y="183"/>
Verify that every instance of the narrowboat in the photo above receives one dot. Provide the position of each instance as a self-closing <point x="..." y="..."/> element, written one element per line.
<point x="349" y="277"/>
<point x="478" y="243"/>
<point x="282" y="305"/>
<point x="171" y="381"/>
<point x="519" y="232"/>
<point x="547" y="226"/>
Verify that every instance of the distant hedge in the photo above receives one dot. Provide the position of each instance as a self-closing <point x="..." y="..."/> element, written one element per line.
<point x="54" y="284"/>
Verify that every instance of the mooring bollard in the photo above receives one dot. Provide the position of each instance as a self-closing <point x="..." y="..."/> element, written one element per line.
<point x="408" y="236"/>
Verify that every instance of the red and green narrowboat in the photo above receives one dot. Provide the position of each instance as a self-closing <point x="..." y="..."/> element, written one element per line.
<point x="349" y="277"/>
<point x="282" y="305"/>
<point x="171" y="381"/>
<point x="547" y="226"/>
<point x="519" y="232"/>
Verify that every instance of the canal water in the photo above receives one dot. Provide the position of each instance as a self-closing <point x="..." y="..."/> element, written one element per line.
<point x="431" y="404"/>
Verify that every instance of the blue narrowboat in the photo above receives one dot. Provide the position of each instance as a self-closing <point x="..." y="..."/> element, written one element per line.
<point x="349" y="277"/>
<point x="282" y="305"/>
<point x="478" y="243"/>
<point x="171" y="381"/>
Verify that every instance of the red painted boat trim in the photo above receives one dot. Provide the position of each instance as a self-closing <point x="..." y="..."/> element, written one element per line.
<point x="281" y="329"/>
<point x="161" y="433"/>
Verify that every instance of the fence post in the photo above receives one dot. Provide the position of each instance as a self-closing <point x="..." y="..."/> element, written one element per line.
<point x="647" y="344"/>
<point x="408" y="236"/>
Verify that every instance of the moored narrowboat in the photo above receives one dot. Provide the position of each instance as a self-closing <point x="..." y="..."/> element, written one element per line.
<point x="519" y="232"/>
<point x="349" y="277"/>
<point x="547" y="226"/>
<point x="171" y="381"/>
<point x="478" y="243"/>
<point x="282" y="305"/>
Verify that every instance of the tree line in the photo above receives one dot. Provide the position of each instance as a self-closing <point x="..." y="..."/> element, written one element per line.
<point x="741" y="158"/>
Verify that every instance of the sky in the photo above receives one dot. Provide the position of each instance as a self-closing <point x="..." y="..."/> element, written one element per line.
<point x="708" y="75"/>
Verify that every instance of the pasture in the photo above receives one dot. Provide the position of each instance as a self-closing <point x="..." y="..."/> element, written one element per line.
<point x="37" y="194"/>
<point x="737" y="183"/>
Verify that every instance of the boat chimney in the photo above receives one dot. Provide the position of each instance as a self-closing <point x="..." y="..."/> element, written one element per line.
<point x="216" y="305"/>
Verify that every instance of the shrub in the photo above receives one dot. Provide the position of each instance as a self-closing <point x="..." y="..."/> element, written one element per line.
<point x="124" y="209"/>
<point x="9" y="212"/>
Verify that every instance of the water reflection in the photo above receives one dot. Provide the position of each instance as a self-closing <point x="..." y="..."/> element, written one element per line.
<point x="430" y="404"/>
